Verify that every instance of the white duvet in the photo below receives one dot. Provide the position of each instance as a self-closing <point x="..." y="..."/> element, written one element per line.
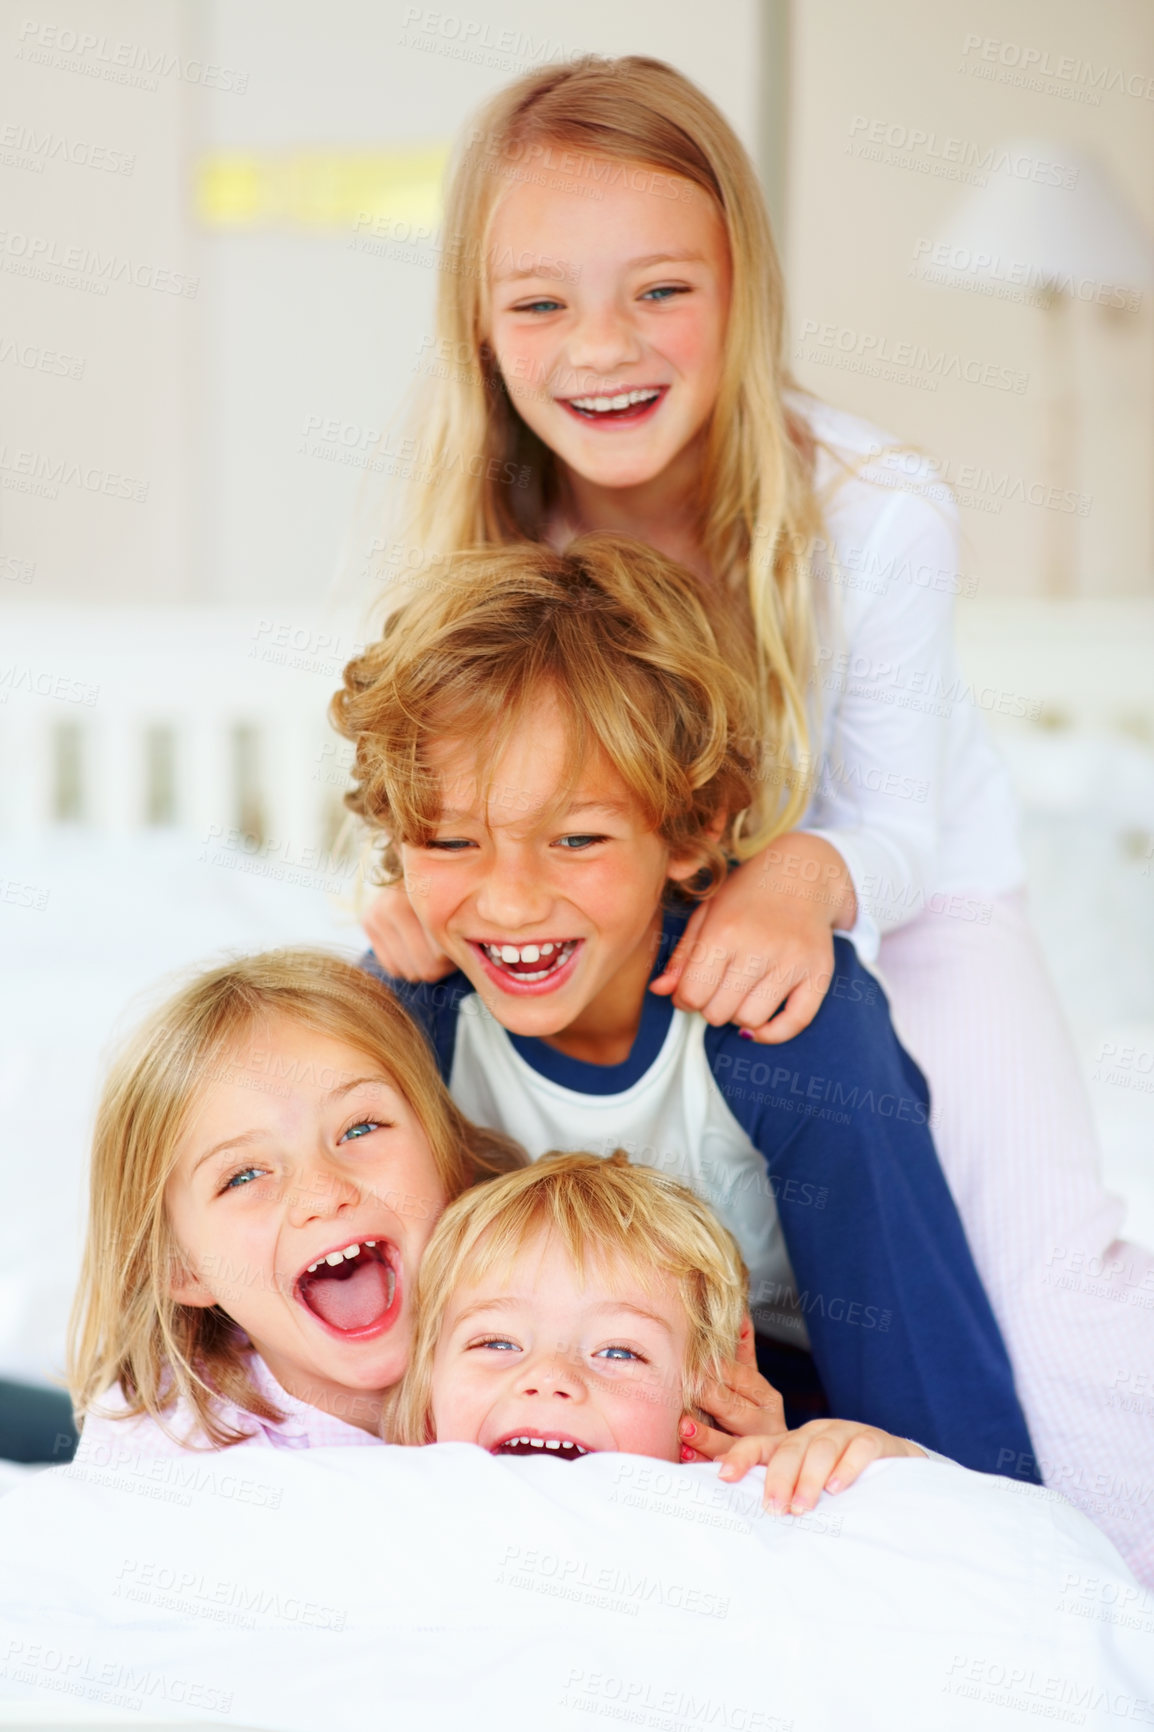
<point x="440" y="1588"/>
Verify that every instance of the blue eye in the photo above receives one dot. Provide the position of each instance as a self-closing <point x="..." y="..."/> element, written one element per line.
<point x="450" y="844"/>
<point x="543" y="306"/>
<point x="244" y="1177"/>
<point x="664" y="292"/>
<point x="616" y="1353"/>
<point x="500" y="1344"/>
<point x="576" y="844"/>
<point x="361" y="1130"/>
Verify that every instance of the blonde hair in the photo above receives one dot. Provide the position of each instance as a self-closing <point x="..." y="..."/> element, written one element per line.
<point x="758" y="512"/>
<point x="125" y="1328"/>
<point x="601" y="1210"/>
<point x="614" y="631"/>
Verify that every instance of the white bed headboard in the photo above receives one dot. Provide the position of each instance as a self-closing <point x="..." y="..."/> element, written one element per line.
<point x="208" y="720"/>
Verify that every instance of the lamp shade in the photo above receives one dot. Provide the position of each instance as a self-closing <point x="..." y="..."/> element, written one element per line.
<point x="1057" y="217"/>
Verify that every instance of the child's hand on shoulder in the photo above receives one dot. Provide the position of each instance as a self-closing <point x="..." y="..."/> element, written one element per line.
<point x="825" y="1455"/>
<point x="765" y="940"/>
<point x="399" y="941"/>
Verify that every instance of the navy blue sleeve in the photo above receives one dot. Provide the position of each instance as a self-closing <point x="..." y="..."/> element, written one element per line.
<point x="899" y="1323"/>
<point x="433" y="1005"/>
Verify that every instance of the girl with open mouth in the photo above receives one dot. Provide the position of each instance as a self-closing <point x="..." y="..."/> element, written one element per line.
<point x="272" y="1151"/>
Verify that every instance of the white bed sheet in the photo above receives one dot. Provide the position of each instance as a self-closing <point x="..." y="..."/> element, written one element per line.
<point x="440" y="1588"/>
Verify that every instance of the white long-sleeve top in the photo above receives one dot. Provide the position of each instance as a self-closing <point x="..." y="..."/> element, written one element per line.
<point x="909" y="787"/>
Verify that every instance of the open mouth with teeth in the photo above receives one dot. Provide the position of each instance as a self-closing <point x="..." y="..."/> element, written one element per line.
<point x="352" y="1291"/>
<point x="526" y="967"/>
<point x="560" y="1447"/>
<point x="616" y="408"/>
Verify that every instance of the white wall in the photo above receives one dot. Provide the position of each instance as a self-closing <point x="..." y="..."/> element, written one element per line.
<point x="205" y="396"/>
<point x="123" y="404"/>
<point x="897" y="67"/>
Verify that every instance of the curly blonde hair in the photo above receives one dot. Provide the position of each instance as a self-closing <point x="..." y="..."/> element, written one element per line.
<point x="612" y="630"/>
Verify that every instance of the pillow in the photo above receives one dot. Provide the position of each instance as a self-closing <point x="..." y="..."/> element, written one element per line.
<point x="445" y="1588"/>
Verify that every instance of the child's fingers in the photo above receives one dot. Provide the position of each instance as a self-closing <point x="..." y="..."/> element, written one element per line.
<point x="437" y="969"/>
<point x="854" y="1460"/>
<point x="769" y="992"/>
<point x="798" y="1471"/>
<point x="744" y="1380"/>
<point x="743" y="1402"/>
<point x="399" y="941"/>
<point x="391" y="952"/>
<point x="747" y="1452"/>
<point x="782" y="1462"/>
<point x="705" y="1443"/>
<point x="707" y="975"/>
<point x="426" y="960"/>
<point x="727" y="983"/>
<point x="417" y="961"/>
<point x="670" y="977"/>
<point x="796" y="1013"/>
<point x="385" y="932"/>
<point x="818" y="1464"/>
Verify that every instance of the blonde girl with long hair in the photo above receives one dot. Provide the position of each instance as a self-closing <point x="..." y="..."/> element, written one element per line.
<point x="608" y="266"/>
<point x="272" y="1149"/>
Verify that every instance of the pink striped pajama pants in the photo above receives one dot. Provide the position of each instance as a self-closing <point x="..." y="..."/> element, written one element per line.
<point x="975" y="1006"/>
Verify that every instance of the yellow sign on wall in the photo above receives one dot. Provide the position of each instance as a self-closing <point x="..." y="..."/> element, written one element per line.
<point x="319" y="189"/>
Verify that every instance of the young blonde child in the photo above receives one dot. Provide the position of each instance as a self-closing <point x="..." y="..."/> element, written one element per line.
<point x="272" y="1150"/>
<point x="584" y="1304"/>
<point x="613" y="274"/>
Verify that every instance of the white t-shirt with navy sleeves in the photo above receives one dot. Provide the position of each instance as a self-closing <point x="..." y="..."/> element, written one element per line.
<point x="815" y="1153"/>
<point x="662" y="1106"/>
